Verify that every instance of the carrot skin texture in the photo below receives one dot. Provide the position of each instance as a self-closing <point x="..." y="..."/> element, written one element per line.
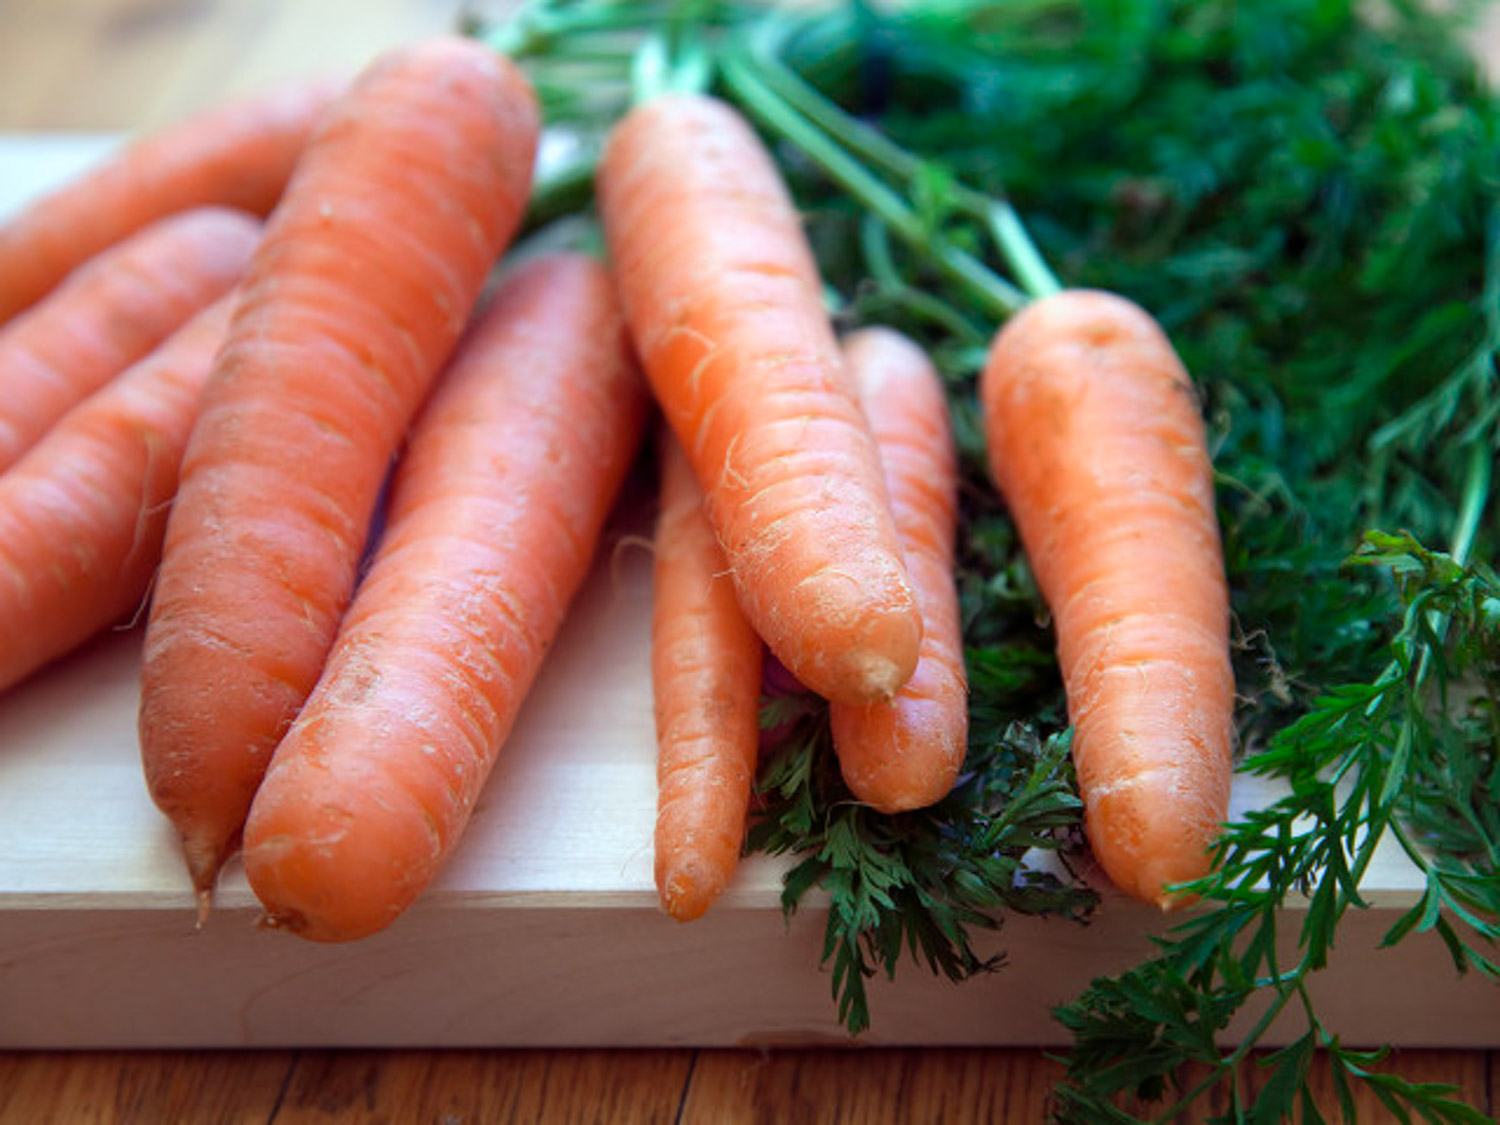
<point x="403" y="199"/>
<point x="724" y="301"/>
<point x="496" y="510"/>
<point x="1097" y="443"/>
<point x="236" y="155"/>
<point x="906" y="754"/>
<point x="111" y="313"/>
<point x="82" y="514"/>
<point x="706" y="662"/>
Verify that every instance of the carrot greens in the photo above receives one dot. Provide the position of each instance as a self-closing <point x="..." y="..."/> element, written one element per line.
<point x="1306" y="194"/>
<point x="922" y="882"/>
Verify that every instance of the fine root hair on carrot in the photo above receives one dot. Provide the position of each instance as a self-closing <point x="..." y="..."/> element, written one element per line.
<point x="112" y="312"/>
<point x="238" y="155"/>
<point x="907" y="753"/>
<point x="402" y="200"/>
<point x="1097" y="444"/>
<point x="497" y="506"/>
<point x="725" y="304"/>
<point x="83" y="512"/>
<point x="706" y="663"/>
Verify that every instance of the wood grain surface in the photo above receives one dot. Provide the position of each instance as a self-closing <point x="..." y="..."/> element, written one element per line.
<point x="132" y="64"/>
<point x="612" y="1087"/>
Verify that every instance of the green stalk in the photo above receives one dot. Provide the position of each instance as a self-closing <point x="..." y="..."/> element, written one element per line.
<point x="1020" y="251"/>
<point x="992" y="293"/>
<point x="1472" y="503"/>
<point x="875" y="148"/>
<point x="538" y="28"/>
<point x="661" y="67"/>
<point x="875" y="241"/>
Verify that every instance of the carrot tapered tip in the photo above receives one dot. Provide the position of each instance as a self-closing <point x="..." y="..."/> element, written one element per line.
<point x="1156" y="879"/>
<point x="689" y="888"/>
<point x="205" y="900"/>
<point x="204" y="861"/>
<point x="880" y="676"/>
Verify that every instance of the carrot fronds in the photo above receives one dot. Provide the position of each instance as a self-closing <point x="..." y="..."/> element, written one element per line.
<point x="919" y="883"/>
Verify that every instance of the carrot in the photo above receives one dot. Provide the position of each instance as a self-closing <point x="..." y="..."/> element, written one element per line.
<point x="236" y="155"/>
<point x="496" y="509"/>
<point x="724" y="301"/>
<point x="1097" y="444"/>
<point x="83" y="512"/>
<point x="366" y="277"/>
<point x="705" y="675"/>
<point x="906" y="754"/>
<point x="111" y="313"/>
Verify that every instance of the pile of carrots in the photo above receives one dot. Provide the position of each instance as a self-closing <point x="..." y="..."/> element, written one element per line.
<point x="224" y="347"/>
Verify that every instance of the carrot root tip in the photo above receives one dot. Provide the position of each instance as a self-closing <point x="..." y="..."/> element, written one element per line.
<point x="880" y="677"/>
<point x="687" y="891"/>
<point x="1158" y="880"/>
<point x="285" y="922"/>
<point x="1173" y="901"/>
<point x="203" y="863"/>
<point x="205" y="901"/>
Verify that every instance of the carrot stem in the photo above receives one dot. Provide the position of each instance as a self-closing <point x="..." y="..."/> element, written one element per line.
<point x="1020" y="251"/>
<point x="996" y="296"/>
<point x="871" y="145"/>
<point x="538" y="28"/>
<point x="1472" y="503"/>
<point x="662" y="67"/>
<point x="875" y="243"/>
<point x="864" y="141"/>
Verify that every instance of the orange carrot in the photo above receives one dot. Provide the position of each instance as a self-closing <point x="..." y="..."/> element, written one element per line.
<point x="906" y="754"/>
<point x="111" y="313"/>
<point x="496" y="509"/>
<point x="1096" y="441"/>
<point x="236" y="155"/>
<point x="705" y="675"/>
<point x="83" y="512"/>
<point x="366" y="277"/>
<point x="725" y="304"/>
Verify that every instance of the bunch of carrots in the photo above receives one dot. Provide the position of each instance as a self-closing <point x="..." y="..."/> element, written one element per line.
<point x="223" y="347"/>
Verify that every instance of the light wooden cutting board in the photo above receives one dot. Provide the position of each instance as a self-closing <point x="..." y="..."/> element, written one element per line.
<point x="544" y="930"/>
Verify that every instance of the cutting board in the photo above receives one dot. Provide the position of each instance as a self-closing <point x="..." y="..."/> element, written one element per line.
<point x="544" y="930"/>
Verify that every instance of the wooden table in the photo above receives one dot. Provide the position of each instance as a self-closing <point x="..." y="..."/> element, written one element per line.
<point x="103" y="65"/>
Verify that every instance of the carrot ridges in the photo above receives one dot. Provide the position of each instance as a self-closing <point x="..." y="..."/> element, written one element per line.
<point x="706" y="665"/>
<point x="496" y="508"/>
<point x="1097" y="443"/>
<point x="236" y="155"/>
<point x="725" y="305"/>
<point x="401" y="203"/>
<point x="82" y="513"/>
<point x="112" y="312"/>
<point x="906" y="753"/>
